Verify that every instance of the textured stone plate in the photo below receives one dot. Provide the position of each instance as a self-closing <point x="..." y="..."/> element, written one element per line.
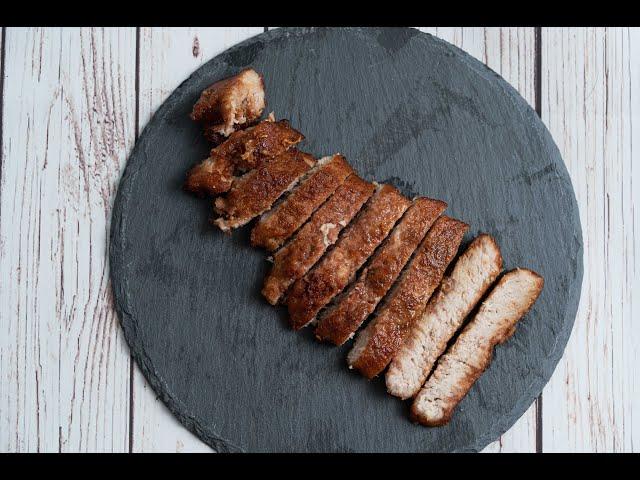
<point x="403" y="107"/>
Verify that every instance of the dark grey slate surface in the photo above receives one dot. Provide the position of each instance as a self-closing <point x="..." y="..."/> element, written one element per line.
<point x="402" y="106"/>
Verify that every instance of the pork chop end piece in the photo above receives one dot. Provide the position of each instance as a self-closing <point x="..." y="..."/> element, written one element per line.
<point x="231" y="102"/>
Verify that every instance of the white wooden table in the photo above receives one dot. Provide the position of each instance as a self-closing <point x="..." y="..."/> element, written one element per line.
<point x="73" y="102"/>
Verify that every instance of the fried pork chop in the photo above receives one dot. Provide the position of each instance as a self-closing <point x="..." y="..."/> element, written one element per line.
<point x="230" y="103"/>
<point x="282" y="221"/>
<point x="339" y="322"/>
<point x="255" y="192"/>
<point x="295" y="259"/>
<point x="474" y="272"/>
<point x="241" y="152"/>
<point x="459" y="368"/>
<point x="334" y="272"/>
<point x="376" y="345"/>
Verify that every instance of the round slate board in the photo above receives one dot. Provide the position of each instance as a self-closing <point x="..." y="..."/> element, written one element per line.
<point x="406" y="108"/>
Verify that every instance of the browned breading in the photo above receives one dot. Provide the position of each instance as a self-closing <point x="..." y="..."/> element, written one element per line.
<point x="242" y="151"/>
<point x="474" y="272"/>
<point x="316" y="289"/>
<point x="459" y="368"/>
<point x="342" y="319"/>
<point x="212" y="176"/>
<point x="254" y="193"/>
<point x="295" y="259"/>
<point x="232" y="102"/>
<point x="380" y="340"/>
<point x="280" y="223"/>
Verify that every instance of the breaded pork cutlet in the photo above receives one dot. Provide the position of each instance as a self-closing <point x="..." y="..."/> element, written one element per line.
<point x="295" y="259"/>
<point x="282" y="221"/>
<point x="376" y="345"/>
<point x="241" y="152"/>
<point x="339" y="322"/>
<point x="230" y="104"/>
<point x="459" y="368"/>
<point x="473" y="273"/>
<point x="255" y="192"/>
<point x="334" y="272"/>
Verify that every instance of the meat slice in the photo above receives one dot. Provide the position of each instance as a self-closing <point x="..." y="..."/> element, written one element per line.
<point x="339" y="322"/>
<point x="295" y="259"/>
<point x="470" y="355"/>
<point x="212" y="176"/>
<point x="254" y="193"/>
<point x="242" y="151"/>
<point x="280" y="223"/>
<point x="376" y="345"/>
<point x="316" y="289"/>
<point x="474" y="272"/>
<point x="232" y="102"/>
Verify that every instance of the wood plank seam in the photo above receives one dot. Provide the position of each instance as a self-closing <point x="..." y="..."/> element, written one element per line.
<point x="537" y="72"/>
<point x="136" y="135"/>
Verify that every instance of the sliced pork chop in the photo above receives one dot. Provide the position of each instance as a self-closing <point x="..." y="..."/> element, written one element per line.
<point x="376" y="345"/>
<point x="295" y="259"/>
<point x="276" y="226"/>
<point x="459" y="368"/>
<point x="231" y="103"/>
<point x="339" y="322"/>
<point x="474" y="272"/>
<point x="316" y="289"/>
<point x="254" y="193"/>
<point x="242" y="151"/>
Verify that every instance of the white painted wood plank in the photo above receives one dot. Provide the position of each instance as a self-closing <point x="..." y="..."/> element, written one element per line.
<point x="591" y="105"/>
<point x="68" y="125"/>
<point x="511" y="53"/>
<point x="167" y="57"/>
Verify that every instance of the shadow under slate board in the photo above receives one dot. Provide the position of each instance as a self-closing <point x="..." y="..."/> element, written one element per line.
<point x="403" y="107"/>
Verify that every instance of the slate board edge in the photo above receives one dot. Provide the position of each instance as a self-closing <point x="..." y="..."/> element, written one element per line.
<point x="138" y="159"/>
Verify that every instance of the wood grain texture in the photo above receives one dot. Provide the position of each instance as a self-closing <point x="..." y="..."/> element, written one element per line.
<point x="511" y="53"/>
<point x="590" y="103"/>
<point x="68" y="123"/>
<point x="167" y="57"/>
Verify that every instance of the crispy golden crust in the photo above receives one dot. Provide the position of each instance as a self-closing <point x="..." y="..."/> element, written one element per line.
<point x="383" y="336"/>
<point x="251" y="147"/>
<point x="316" y="289"/>
<point x="255" y="192"/>
<point x="232" y="102"/>
<point x="281" y="222"/>
<point x="211" y="176"/>
<point x="209" y="131"/>
<point x="339" y="323"/>
<point x="296" y="258"/>
<point x="474" y="272"/>
<point x="459" y="368"/>
<point x="242" y="151"/>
